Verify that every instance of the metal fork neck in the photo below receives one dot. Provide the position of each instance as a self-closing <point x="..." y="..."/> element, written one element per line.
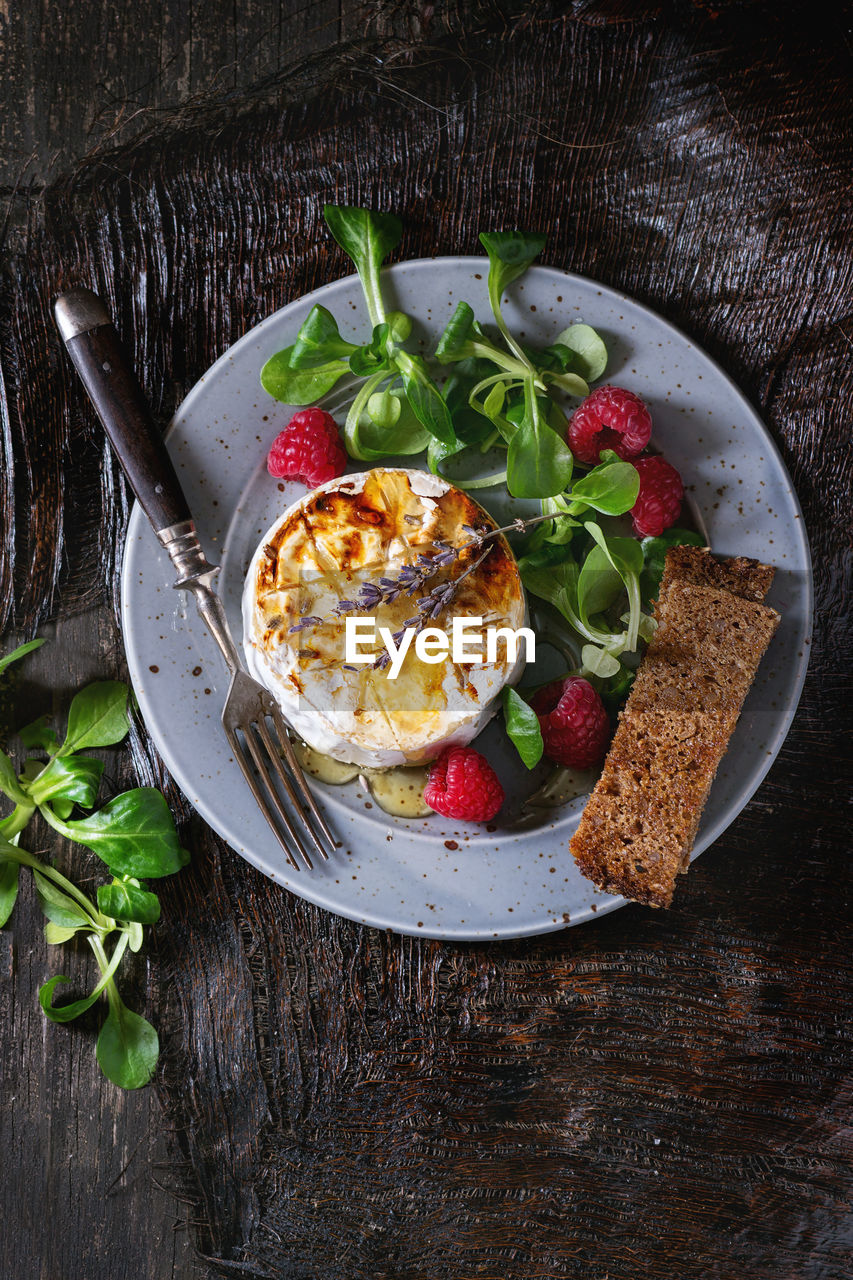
<point x="195" y="573"/>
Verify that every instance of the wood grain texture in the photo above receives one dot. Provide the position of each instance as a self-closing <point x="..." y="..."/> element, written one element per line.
<point x="87" y="1183"/>
<point x="656" y="1094"/>
<point x="95" y="74"/>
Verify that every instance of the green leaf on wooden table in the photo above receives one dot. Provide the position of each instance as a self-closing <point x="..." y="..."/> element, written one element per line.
<point x="127" y="900"/>
<point x="97" y="717"/>
<point x="39" y="736"/>
<point x="135" y="934"/>
<point x="134" y="834"/>
<point x="74" y="779"/>
<point x="9" y="783"/>
<point x="68" y="1012"/>
<point x="21" y="652"/>
<point x="59" y="906"/>
<point x="128" y="1047"/>
<point x="9" y="873"/>
<point x="57" y="933"/>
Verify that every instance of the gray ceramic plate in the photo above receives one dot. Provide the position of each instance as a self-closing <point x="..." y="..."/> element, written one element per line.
<point x="431" y="877"/>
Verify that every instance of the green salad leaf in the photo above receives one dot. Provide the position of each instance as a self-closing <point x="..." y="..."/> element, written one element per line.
<point x="611" y="487"/>
<point x="300" y="386"/>
<point x="539" y="462"/>
<point x="9" y="877"/>
<point x="127" y="900"/>
<point x="587" y="348"/>
<point x="522" y="726"/>
<point x="654" y="555"/>
<point x="128" y="1047"/>
<point x="21" y="652"/>
<point x="425" y="398"/>
<point x="318" y="342"/>
<point x="134" y="833"/>
<point x="368" y="238"/>
<point x="68" y="777"/>
<point x="97" y="717"/>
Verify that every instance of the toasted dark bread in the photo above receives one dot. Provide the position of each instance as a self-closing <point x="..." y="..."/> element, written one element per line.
<point x="640" y="822"/>
<point x="746" y="578"/>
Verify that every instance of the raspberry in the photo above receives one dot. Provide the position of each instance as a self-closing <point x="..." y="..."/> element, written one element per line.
<point x="611" y="418"/>
<point x="574" y="724"/>
<point x="659" y="500"/>
<point x="308" y="449"/>
<point x="463" y="785"/>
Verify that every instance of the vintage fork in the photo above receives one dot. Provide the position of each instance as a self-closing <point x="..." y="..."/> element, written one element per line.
<point x="105" y="369"/>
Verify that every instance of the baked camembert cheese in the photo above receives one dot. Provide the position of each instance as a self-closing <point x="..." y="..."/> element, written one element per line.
<point x="355" y="530"/>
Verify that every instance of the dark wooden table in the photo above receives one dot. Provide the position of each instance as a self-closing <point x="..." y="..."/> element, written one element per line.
<point x="655" y="1094"/>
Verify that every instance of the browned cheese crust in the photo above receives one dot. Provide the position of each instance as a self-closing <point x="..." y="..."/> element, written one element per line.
<point x="640" y="822"/>
<point x="363" y="529"/>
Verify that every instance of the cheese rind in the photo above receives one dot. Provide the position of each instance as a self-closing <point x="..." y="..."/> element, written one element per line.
<point x="358" y="529"/>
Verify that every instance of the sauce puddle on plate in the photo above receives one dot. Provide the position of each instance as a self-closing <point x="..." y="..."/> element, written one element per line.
<point x="400" y="791"/>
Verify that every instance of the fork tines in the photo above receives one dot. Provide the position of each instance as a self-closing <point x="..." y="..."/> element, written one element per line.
<point x="246" y="712"/>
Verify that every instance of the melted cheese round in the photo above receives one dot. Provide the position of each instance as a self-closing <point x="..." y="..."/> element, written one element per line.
<point x="355" y="530"/>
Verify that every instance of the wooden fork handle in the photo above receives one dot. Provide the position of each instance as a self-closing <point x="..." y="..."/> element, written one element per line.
<point x="107" y="374"/>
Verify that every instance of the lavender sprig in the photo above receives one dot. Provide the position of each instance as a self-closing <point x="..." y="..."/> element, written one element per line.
<point x="430" y="607"/>
<point x="439" y="598"/>
<point x="310" y="620"/>
<point x="412" y="577"/>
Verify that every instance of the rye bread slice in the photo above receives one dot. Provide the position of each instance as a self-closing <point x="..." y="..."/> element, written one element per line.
<point x="640" y="821"/>
<point x="743" y="577"/>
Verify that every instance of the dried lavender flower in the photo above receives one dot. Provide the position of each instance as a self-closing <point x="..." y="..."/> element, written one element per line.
<point x="309" y="621"/>
<point x="412" y="577"/>
<point x="369" y="596"/>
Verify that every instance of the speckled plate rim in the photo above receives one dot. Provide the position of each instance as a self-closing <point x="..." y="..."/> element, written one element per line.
<point x="303" y="886"/>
